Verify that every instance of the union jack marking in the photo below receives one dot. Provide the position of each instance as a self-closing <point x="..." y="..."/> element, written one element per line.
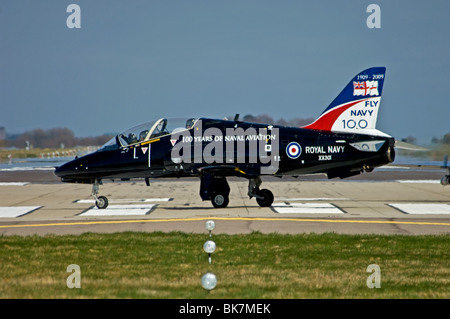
<point x="365" y="88"/>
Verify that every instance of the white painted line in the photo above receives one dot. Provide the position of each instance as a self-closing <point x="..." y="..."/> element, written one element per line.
<point x="6" y="212"/>
<point x="12" y="169"/>
<point x="131" y="200"/>
<point x="419" y="181"/>
<point x="395" y="167"/>
<point x="306" y="208"/>
<point x="85" y="201"/>
<point x="158" y="199"/>
<point x="310" y="199"/>
<point x="13" y="183"/>
<point x="425" y="209"/>
<point x="120" y="210"/>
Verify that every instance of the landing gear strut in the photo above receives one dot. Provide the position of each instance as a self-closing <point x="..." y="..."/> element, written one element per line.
<point x="100" y="201"/>
<point x="264" y="197"/>
<point x="216" y="189"/>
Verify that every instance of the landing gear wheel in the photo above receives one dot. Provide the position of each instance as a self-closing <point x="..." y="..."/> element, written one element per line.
<point x="264" y="198"/>
<point x="220" y="200"/>
<point x="101" y="202"/>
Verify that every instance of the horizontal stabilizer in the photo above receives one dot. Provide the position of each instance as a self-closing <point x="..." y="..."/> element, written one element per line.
<point x="409" y="147"/>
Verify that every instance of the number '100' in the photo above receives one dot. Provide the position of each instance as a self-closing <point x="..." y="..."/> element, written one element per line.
<point x="353" y="124"/>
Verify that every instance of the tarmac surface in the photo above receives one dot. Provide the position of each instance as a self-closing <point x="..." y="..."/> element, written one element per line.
<point x="407" y="201"/>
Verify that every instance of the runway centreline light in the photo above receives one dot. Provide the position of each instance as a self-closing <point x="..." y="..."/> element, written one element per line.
<point x="224" y="219"/>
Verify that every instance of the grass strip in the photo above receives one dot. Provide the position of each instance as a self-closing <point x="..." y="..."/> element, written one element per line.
<point x="170" y="265"/>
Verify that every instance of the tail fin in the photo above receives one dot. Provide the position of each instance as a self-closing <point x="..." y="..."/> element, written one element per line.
<point x="355" y="109"/>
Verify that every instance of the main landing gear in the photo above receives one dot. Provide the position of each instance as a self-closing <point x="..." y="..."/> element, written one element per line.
<point x="216" y="189"/>
<point x="264" y="197"/>
<point x="100" y="201"/>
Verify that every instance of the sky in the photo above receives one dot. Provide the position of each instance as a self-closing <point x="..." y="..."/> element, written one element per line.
<point x="133" y="61"/>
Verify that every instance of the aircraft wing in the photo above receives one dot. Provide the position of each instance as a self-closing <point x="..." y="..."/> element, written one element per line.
<point x="227" y="170"/>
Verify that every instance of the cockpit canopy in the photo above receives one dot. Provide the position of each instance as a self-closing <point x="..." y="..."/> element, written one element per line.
<point x="148" y="131"/>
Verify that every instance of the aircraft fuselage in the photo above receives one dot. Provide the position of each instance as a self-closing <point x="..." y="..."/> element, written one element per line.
<point x="234" y="148"/>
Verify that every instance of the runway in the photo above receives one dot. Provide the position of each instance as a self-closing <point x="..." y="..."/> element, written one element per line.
<point x="385" y="202"/>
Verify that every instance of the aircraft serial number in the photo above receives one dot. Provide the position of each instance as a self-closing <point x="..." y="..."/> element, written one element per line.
<point x="324" y="157"/>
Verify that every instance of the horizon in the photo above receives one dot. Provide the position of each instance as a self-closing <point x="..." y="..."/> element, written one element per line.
<point x="129" y="63"/>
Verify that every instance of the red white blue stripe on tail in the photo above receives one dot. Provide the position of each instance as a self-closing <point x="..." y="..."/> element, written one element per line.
<point x="355" y="109"/>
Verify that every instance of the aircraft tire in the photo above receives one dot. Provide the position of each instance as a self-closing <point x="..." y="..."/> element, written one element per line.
<point x="101" y="202"/>
<point x="267" y="199"/>
<point x="220" y="200"/>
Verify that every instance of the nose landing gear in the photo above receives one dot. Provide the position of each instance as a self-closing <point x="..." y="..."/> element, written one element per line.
<point x="100" y="201"/>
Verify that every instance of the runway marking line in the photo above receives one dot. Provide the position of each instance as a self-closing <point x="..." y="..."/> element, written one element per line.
<point x="17" y="211"/>
<point x="306" y="208"/>
<point x="420" y="209"/>
<point x="130" y="200"/>
<point x="120" y="210"/>
<point x="14" y="183"/>
<point x="226" y="219"/>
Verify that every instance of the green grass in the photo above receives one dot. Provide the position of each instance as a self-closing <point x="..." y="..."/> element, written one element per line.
<point x="170" y="265"/>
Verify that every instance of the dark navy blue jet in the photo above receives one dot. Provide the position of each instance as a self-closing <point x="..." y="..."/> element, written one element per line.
<point x="342" y="142"/>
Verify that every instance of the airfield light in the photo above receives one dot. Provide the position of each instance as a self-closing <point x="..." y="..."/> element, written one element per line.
<point x="209" y="246"/>
<point x="210" y="225"/>
<point x="209" y="281"/>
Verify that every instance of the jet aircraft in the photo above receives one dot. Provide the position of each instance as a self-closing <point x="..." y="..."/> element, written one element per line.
<point x="342" y="142"/>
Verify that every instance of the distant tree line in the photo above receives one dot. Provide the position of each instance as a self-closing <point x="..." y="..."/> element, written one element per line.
<point x="444" y="140"/>
<point x="264" y="118"/>
<point x="51" y="138"/>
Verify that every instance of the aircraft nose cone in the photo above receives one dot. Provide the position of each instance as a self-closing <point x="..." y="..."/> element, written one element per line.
<point x="62" y="170"/>
<point x="75" y="171"/>
<point x="68" y="169"/>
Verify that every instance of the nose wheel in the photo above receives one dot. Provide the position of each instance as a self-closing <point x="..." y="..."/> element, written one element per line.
<point x="100" y="201"/>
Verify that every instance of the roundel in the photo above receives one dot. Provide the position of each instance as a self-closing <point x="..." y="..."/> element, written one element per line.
<point x="293" y="150"/>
